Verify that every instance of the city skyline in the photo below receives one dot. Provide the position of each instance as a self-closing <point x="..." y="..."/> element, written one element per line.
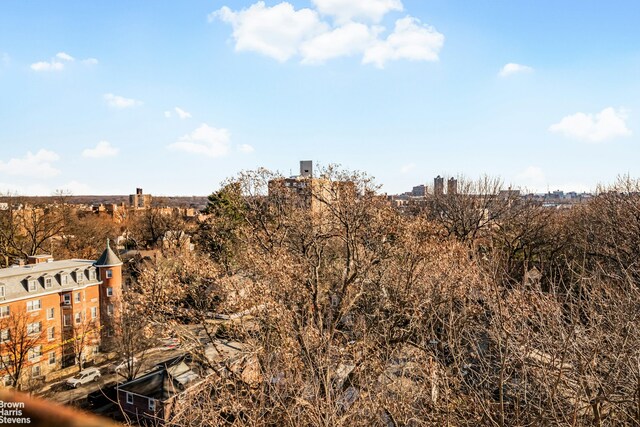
<point x="174" y="98"/>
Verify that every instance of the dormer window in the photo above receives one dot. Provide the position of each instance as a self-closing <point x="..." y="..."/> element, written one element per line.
<point x="64" y="279"/>
<point x="32" y="284"/>
<point x="92" y="275"/>
<point x="48" y="283"/>
<point x="1" y="291"/>
<point x="79" y="276"/>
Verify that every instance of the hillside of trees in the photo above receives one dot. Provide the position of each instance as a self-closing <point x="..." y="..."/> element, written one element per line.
<point x="478" y="309"/>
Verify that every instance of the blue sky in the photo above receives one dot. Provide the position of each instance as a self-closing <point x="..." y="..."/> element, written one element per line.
<point x="175" y="96"/>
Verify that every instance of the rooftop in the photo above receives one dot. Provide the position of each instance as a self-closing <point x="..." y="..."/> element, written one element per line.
<point x="44" y="267"/>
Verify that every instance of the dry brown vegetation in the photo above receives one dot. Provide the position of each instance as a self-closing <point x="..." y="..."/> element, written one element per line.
<point x="478" y="310"/>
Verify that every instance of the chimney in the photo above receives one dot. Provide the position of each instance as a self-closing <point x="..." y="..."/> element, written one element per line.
<point x="38" y="259"/>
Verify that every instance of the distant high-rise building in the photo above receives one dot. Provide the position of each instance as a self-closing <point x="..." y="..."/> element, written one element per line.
<point x="419" y="191"/>
<point x="139" y="200"/>
<point x="438" y="185"/>
<point x="306" y="168"/>
<point x="452" y="186"/>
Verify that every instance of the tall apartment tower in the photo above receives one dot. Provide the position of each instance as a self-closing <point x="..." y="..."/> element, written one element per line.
<point x="110" y="273"/>
<point x="306" y="168"/>
<point x="452" y="186"/>
<point x="139" y="200"/>
<point x="438" y="185"/>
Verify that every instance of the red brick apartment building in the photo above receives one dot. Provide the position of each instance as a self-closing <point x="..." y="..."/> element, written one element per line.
<point x="54" y="313"/>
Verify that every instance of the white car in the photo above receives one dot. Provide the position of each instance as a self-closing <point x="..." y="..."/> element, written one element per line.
<point x="83" y="377"/>
<point x="124" y="365"/>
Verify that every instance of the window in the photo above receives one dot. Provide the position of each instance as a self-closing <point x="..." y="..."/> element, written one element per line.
<point x="130" y="398"/>
<point x="78" y="297"/>
<point x="109" y="292"/>
<point x="2" y="291"/>
<point x="34" y="328"/>
<point x="78" y="318"/>
<point x="32" y="285"/>
<point x="92" y="275"/>
<point x="79" y="276"/>
<point x="51" y="313"/>
<point x="66" y="320"/>
<point x="4" y="311"/>
<point x="35" y="371"/>
<point x="66" y="299"/>
<point x="109" y="274"/>
<point x="96" y="349"/>
<point x="152" y="404"/>
<point x="94" y="312"/>
<point x="110" y="309"/>
<point x="5" y="335"/>
<point x="51" y="333"/>
<point x="8" y="381"/>
<point x="64" y="279"/>
<point x="33" y="305"/>
<point x="35" y="352"/>
<point x="52" y="358"/>
<point x="48" y="283"/>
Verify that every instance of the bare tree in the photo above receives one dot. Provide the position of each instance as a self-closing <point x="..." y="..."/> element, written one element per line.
<point x="21" y="341"/>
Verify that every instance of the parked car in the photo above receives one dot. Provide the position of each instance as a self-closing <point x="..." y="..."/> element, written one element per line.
<point x="83" y="377"/>
<point x="124" y="365"/>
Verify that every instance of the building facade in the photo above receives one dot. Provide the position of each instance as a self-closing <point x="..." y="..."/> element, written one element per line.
<point x="52" y="313"/>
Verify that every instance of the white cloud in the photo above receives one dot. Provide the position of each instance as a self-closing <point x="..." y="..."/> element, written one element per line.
<point x="58" y="62"/>
<point x="607" y="124"/>
<point x="205" y="140"/>
<point x="182" y="114"/>
<point x="512" y="68"/>
<point x="38" y="165"/>
<point x="407" y="168"/>
<point x="281" y="32"/>
<point x="117" y="101"/>
<point x="65" y="56"/>
<point x="275" y="31"/>
<point x="350" y="39"/>
<point x="101" y="150"/>
<point x="410" y="40"/>
<point x="246" y="148"/>
<point x="167" y="114"/>
<point x="47" y="66"/>
<point x="348" y="10"/>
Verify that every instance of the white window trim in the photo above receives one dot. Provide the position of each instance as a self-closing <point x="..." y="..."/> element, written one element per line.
<point x="51" y="336"/>
<point x="48" y="283"/>
<point x="109" y="291"/>
<point x="94" y="312"/>
<point x="33" y="282"/>
<point x="66" y="298"/>
<point x="51" y="311"/>
<point x="2" y="291"/>
<point x="5" y="311"/>
<point x="129" y="398"/>
<point x="152" y="404"/>
<point x="54" y="358"/>
<point x="33" y="303"/>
